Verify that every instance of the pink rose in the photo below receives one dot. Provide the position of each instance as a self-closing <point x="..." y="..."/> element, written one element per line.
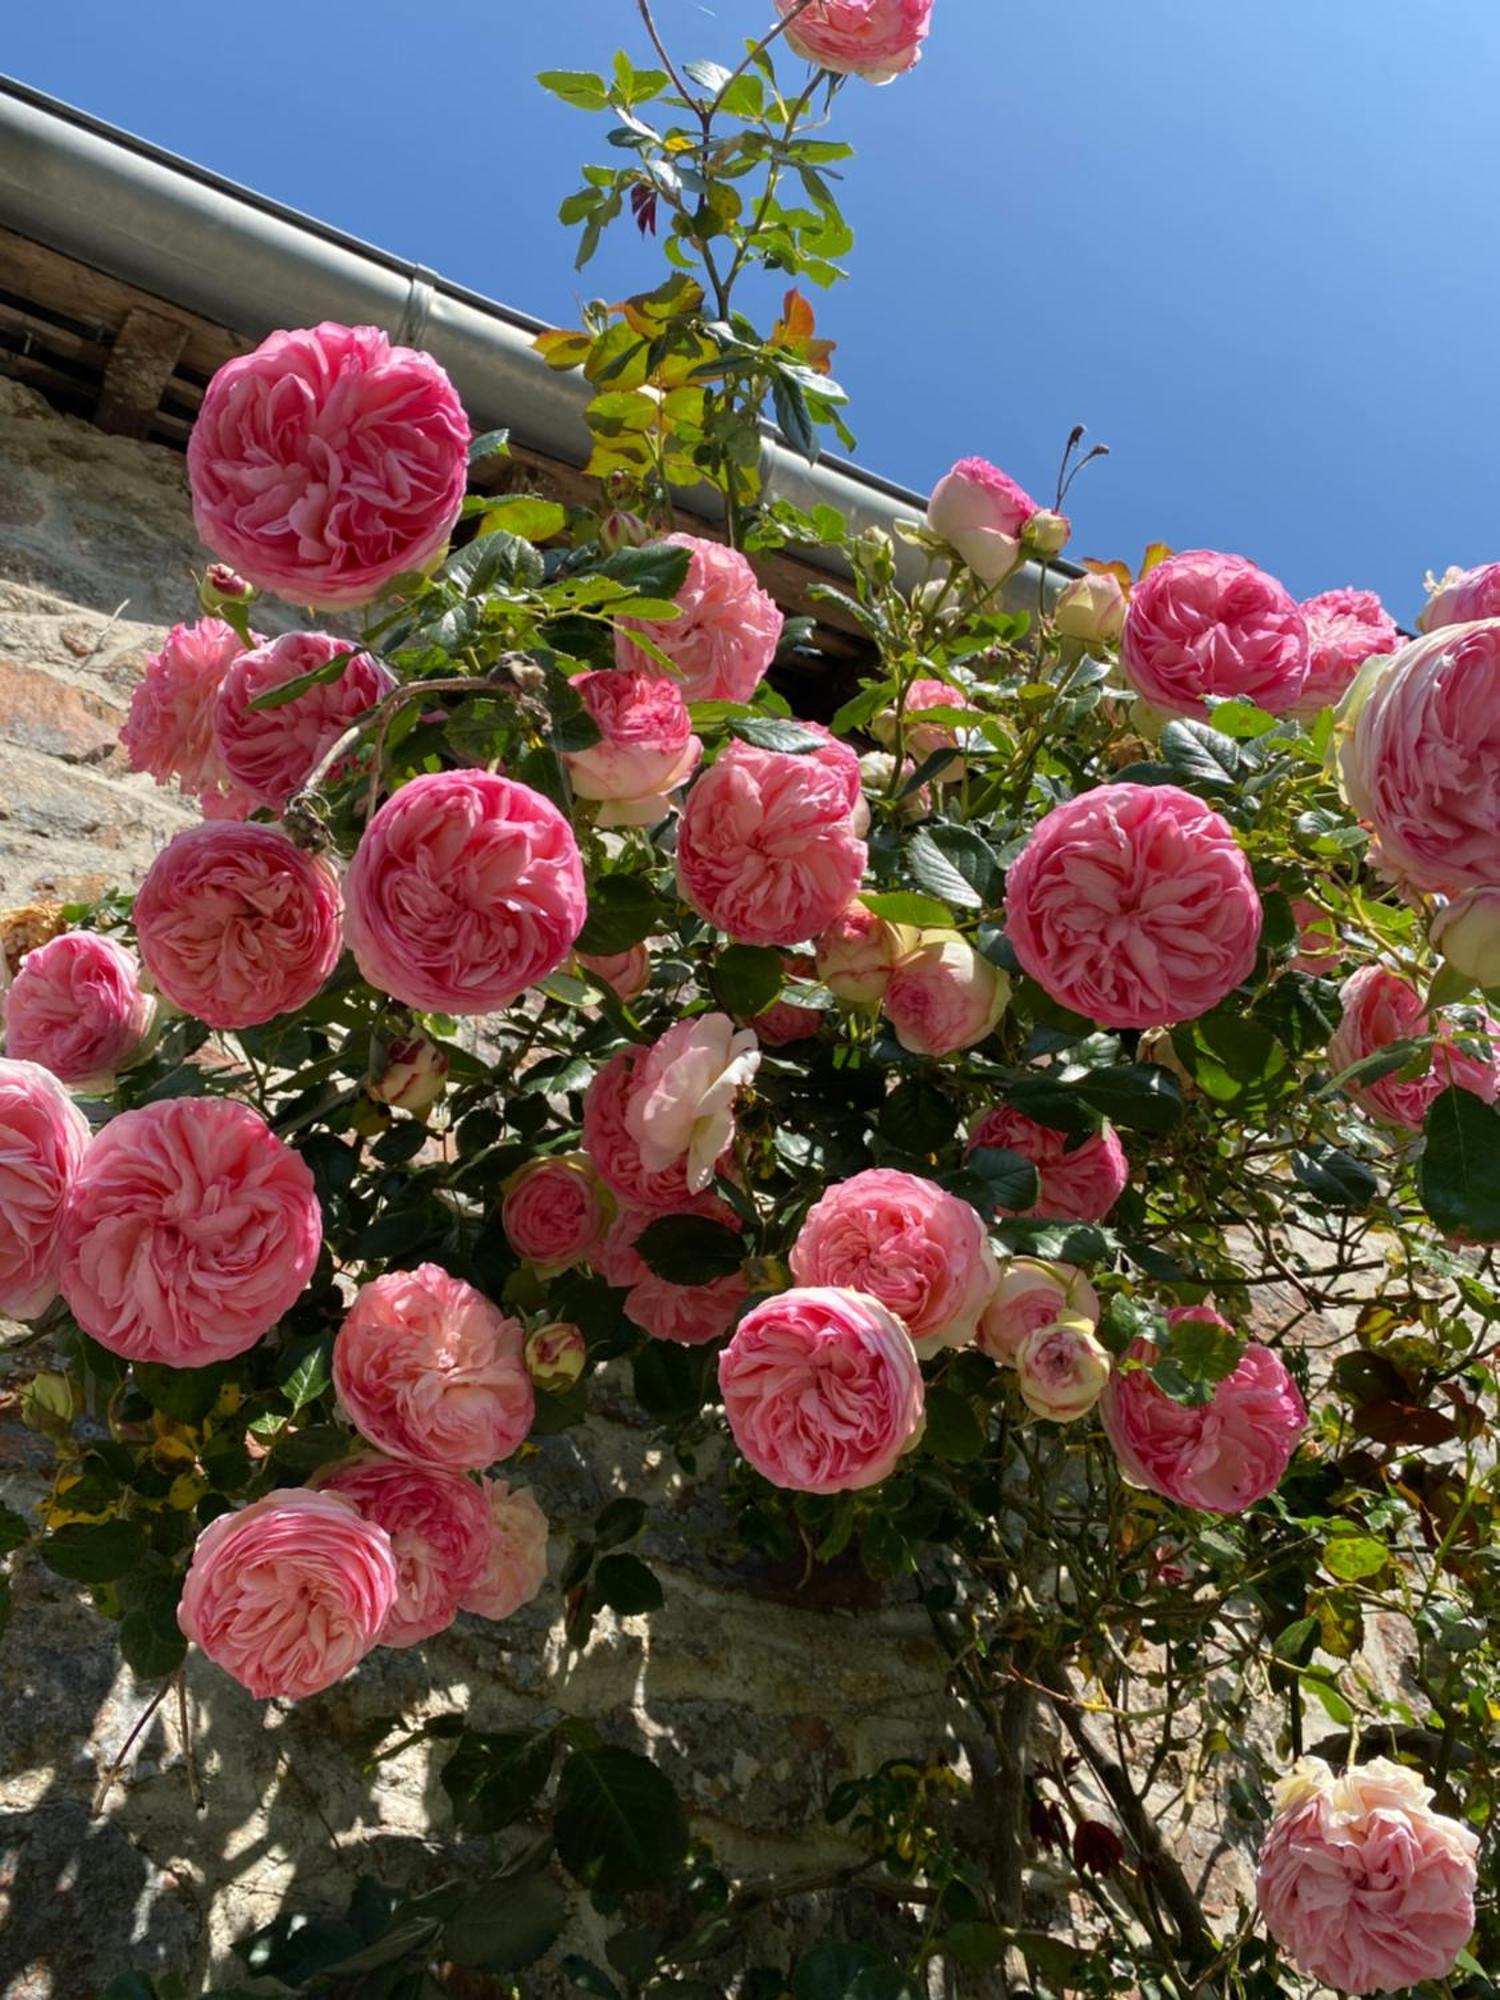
<point x="1344" y="629"/>
<point x="170" y="729"/>
<point x="692" y="1315"/>
<point x="1075" y="1182"/>
<point x="1220" y="1457"/>
<point x="1461" y="597"/>
<point x="1091" y="608"/>
<point x="327" y="463"/>
<point x="1380" y="1007"/>
<point x="1466" y="933"/>
<point x="429" y="1371"/>
<point x="726" y="632"/>
<point x="189" y="1230"/>
<point x="907" y="1242"/>
<point x="1206" y="624"/>
<point x="238" y="925"/>
<point x="822" y="1390"/>
<point x="626" y="973"/>
<point x="1134" y="906"/>
<point x="842" y="759"/>
<point x="516" y="1567"/>
<point x="784" y="1023"/>
<point x="288" y="1594"/>
<point x="878" y="40"/>
<point x="1420" y="759"/>
<point x="413" y="1074"/>
<point x="441" y="1536"/>
<point x="1318" y="950"/>
<point x="857" y="954"/>
<point x="77" y="1008"/>
<point x="877" y="771"/>
<point x="555" y="1212"/>
<point x="925" y="739"/>
<point x="648" y="746"/>
<point x="272" y="752"/>
<point x="681" y="1108"/>
<point x="613" y="1148"/>
<point x="944" y="996"/>
<point x="43" y="1138"/>
<point x="1361" y="1883"/>
<point x="981" y="513"/>
<point x="765" y="848"/>
<point x="1061" y="1370"/>
<point x="1031" y="1294"/>
<point x="466" y="889"/>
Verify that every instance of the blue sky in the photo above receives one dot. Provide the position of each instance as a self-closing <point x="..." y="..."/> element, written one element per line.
<point x="1249" y="243"/>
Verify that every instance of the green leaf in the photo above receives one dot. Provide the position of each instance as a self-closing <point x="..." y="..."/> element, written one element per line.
<point x="1195" y="1355"/>
<point x="494" y="559"/>
<point x="306" y="1369"/>
<point x="624" y="1583"/>
<point x="793" y="415"/>
<point x="588" y="1978"/>
<point x="690" y="1249"/>
<point x="13" y="1530"/>
<point x="527" y="515"/>
<point x="1458" y="1176"/>
<point x="918" y="1117"/>
<point x="1201" y="756"/>
<point x="971" y="854"/>
<point x="746" y="979"/>
<point x="185" y="1393"/>
<point x="1141" y="1097"/>
<point x="623" y="911"/>
<point x="1353" y="1557"/>
<point x="1010" y="1181"/>
<point x="493" y="1777"/>
<point x="507" y="1924"/>
<point x="99" y="1552"/>
<point x="288" y="691"/>
<point x="489" y="444"/>
<point x="769" y="732"/>
<point x="932" y="870"/>
<point x="619" y="1824"/>
<point x="150" y="1638"/>
<point x="578" y="87"/>
<point x="1296" y="1642"/>
<point x="620" y="1521"/>
<point x="657" y="570"/>
<point x="671" y="1381"/>
<point x="902" y="906"/>
<point x="709" y="76"/>
<point x="953" y="1430"/>
<point x="1337" y="1179"/>
<point x="850" y="1972"/>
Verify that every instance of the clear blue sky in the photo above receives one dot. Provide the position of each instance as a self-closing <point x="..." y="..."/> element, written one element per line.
<point x="1250" y="243"/>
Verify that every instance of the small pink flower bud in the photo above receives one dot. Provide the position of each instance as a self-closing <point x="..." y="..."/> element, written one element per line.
<point x="221" y="585"/>
<point x="621" y="529"/>
<point x="414" y="1077"/>
<point x="555" y="1356"/>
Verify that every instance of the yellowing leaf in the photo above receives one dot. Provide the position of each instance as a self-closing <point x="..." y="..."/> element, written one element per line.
<point x="795" y="334"/>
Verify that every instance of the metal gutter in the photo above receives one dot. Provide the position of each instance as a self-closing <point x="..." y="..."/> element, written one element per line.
<point x="172" y="228"/>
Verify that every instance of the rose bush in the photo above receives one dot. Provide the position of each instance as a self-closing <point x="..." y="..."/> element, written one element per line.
<point x="1014" y="1144"/>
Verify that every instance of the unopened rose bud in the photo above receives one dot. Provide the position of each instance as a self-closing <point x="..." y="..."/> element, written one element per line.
<point x="621" y="529"/>
<point x="877" y="768"/>
<point x="1061" y="1370"/>
<point x="555" y="1356"/>
<point x="875" y="553"/>
<point x="626" y="973"/>
<point x="221" y="585"/>
<point x="857" y="954"/>
<point x="1467" y="933"/>
<point x="48" y="1404"/>
<point x="1047" y="533"/>
<point x="1091" y="608"/>
<point x="414" y="1076"/>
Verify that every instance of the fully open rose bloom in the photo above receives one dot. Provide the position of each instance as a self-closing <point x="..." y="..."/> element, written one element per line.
<point x="1030" y="1294"/>
<point x="1075" y="1182"/>
<point x="555" y="1211"/>
<point x="170" y="728"/>
<point x="681" y="1108"/>
<point x="189" y="1230"/>
<point x="1207" y="624"/>
<point x="1380" y="1007"/>
<point x="726" y="632"/>
<point x="1461" y="597"/>
<point x="944" y="996"/>
<point x="328" y="462"/>
<point x="874" y="39"/>
<point x="237" y="924"/>
<point x="43" y="1138"/>
<point x="692" y="1315"/>
<point x="515" y="1567"/>
<point x="441" y="1536"/>
<point x="648" y="746"/>
<point x="614" y="1149"/>
<point x="907" y="1242"/>
<point x="626" y="973"/>
<point x="429" y="1371"/>
<point x="1134" y="906"/>
<point x="1361" y="1883"/>
<point x="766" y="850"/>
<point x="466" y="889"/>
<point x="77" y="1008"/>
<point x="1061" y="1370"/>
<point x="272" y="752"/>
<point x="822" y="1390"/>
<point x="1420" y="759"/>
<point x="1344" y="629"/>
<point x="289" y="1594"/>
<point x="982" y="514"/>
<point x="1220" y="1457"/>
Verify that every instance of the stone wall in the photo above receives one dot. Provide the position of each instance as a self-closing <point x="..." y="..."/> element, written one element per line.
<point x="756" y="1705"/>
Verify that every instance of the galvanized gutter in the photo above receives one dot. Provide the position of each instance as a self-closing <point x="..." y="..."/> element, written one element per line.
<point x="174" y="229"/>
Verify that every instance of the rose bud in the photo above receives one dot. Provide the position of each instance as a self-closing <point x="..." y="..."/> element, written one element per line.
<point x="1091" y="608"/>
<point x="221" y="585"/>
<point x="414" y="1076"/>
<point x="555" y="1356"/>
<point x="620" y="529"/>
<point x="1061" y="1370"/>
<point x="857" y="953"/>
<point x="943" y="996"/>
<point x="1047" y="533"/>
<point x="982" y="514"/>
<point x="1467" y="933"/>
